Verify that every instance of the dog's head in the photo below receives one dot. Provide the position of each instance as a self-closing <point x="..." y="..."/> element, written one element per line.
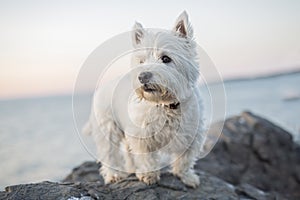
<point x="165" y="62"/>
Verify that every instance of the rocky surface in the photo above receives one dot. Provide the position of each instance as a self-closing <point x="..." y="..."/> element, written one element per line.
<point x="254" y="159"/>
<point x="84" y="183"/>
<point x="253" y="150"/>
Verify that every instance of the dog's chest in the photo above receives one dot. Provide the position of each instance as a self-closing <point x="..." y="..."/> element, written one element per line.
<point x="155" y="123"/>
<point x="161" y="119"/>
<point x="158" y="126"/>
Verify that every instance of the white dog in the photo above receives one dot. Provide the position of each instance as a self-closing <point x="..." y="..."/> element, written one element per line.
<point x="154" y="113"/>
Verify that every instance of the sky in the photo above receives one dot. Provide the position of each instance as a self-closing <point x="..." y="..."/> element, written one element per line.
<point x="43" y="43"/>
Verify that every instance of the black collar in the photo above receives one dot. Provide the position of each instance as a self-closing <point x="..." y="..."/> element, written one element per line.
<point x="173" y="106"/>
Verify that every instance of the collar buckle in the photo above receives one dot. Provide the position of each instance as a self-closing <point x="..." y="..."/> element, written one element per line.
<point x="173" y="106"/>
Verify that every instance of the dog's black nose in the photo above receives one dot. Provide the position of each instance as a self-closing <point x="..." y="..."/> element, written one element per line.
<point x="145" y="77"/>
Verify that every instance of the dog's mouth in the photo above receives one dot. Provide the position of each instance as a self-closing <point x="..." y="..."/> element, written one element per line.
<point x="155" y="93"/>
<point x="148" y="87"/>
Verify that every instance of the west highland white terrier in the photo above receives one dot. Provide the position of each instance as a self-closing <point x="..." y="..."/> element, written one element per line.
<point x="153" y="116"/>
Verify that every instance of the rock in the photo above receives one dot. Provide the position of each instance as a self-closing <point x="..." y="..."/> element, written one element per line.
<point x="254" y="159"/>
<point x="43" y="190"/>
<point x="256" y="152"/>
<point x="86" y="172"/>
<point x="169" y="187"/>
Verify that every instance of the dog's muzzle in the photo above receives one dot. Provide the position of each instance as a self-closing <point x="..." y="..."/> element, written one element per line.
<point x="144" y="78"/>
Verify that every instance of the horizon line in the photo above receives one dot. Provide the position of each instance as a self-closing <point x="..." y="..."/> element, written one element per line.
<point x="295" y="70"/>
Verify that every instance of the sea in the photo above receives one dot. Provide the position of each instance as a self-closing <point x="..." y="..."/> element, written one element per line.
<point x="40" y="137"/>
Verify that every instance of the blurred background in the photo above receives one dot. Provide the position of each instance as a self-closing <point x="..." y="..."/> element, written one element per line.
<point x="255" y="46"/>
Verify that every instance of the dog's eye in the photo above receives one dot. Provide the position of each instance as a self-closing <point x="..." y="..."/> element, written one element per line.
<point x="142" y="61"/>
<point x="166" y="59"/>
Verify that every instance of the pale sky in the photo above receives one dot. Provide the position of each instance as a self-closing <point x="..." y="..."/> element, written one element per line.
<point x="44" y="43"/>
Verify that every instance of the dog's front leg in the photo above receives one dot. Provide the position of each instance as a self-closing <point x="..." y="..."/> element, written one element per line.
<point x="110" y="153"/>
<point x="145" y="161"/>
<point x="183" y="168"/>
<point x="147" y="168"/>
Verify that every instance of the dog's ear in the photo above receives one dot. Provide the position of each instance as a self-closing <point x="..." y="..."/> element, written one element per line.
<point x="138" y="33"/>
<point x="183" y="26"/>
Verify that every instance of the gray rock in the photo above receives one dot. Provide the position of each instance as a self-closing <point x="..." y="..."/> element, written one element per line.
<point x="169" y="187"/>
<point x="43" y="190"/>
<point x="254" y="151"/>
<point x="254" y="159"/>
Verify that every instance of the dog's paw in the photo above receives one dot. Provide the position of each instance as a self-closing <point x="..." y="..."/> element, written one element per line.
<point x="148" y="178"/>
<point x="190" y="179"/>
<point x="114" y="178"/>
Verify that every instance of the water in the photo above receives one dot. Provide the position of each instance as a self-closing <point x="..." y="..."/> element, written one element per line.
<point x="266" y="97"/>
<point x="38" y="140"/>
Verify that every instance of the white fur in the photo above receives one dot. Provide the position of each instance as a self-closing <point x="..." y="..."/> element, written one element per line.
<point x="133" y="135"/>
